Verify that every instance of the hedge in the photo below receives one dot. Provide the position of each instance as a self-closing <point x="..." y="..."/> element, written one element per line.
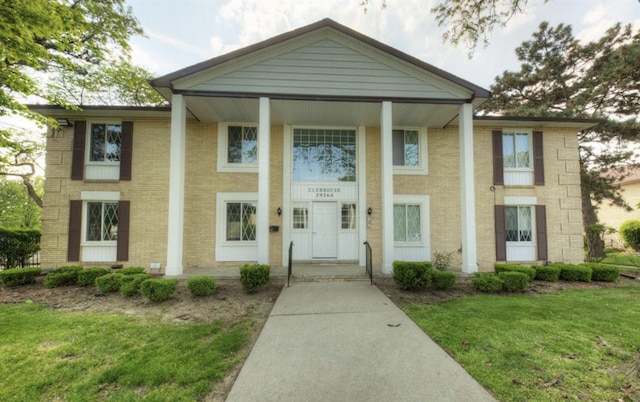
<point x="513" y="281"/>
<point x="505" y="267"/>
<point x="549" y="273"/>
<point x="19" y="276"/>
<point x="131" y="270"/>
<point x="412" y="275"/>
<point x="603" y="272"/>
<point x="201" y="285"/>
<point x="109" y="282"/>
<point x="87" y="277"/>
<point x="63" y="276"/>
<point x="130" y="284"/>
<point x="487" y="283"/>
<point x="17" y="245"/>
<point x="443" y="280"/>
<point x="630" y="233"/>
<point x="254" y="276"/>
<point x="158" y="290"/>
<point x="571" y="272"/>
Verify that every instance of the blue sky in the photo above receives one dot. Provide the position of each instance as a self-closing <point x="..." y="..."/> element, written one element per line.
<point x="181" y="33"/>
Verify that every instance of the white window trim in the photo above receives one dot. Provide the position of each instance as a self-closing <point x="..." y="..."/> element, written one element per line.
<point x="307" y="206"/>
<point x="87" y="148"/>
<point x="223" y="153"/>
<point x="534" y="229"/>
<point x="529" y="133"/>
<point x="222" y="199"/>
<point x="83" y="232"/>
<point x="423" y="201"/>
<point x="423" y="149"/>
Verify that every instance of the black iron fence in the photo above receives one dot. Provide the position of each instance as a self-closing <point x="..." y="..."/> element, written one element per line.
<point x="290" y="262"/>
<point x="369" y="263"/>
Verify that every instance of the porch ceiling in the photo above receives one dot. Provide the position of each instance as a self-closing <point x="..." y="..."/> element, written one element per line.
<point x="320" y="113"/>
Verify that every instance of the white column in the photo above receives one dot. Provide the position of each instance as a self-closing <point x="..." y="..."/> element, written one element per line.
<point x="362" y="193"/>
<point x="264" y="140"/>
<point x="176" y="186"/>
<point x="467" y="191"/>
<point x="387" y="187"/>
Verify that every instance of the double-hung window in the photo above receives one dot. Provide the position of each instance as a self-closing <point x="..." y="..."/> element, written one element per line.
<point x="407" y="226"/>
<point x="105" y="140"/>
<point x="237" y="148"/>
<point x="241" y="221"/>
<point x="409" y="151"/>
<point x="101" y="221"/>
<point x="517" y="157"/>
<point x="518" y="224"/>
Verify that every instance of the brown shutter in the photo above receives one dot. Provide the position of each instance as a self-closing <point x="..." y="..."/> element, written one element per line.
<point x="498" y="167"/>
<point x="124" y="208"/>
<point x="501" y="235"/>
<point x="75" y="228"/>
<point x="77" y="157"/>
<point x="538" y="159"/>
<point x="541" y="231"/>
<point x="126" y="150"/>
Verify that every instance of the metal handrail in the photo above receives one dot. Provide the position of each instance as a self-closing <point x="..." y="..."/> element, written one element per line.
<point x="290" y="262"/>
<point x="369" y="263"/>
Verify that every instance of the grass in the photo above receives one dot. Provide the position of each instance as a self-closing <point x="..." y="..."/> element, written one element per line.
<point x="625" y="259"/>
<point x="542" y="348"/>
<point x="52" y="355"/>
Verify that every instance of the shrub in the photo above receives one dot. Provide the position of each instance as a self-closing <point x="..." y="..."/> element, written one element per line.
<point x="571" y="272"/>
<point x="487" y="283"/>
<point x="17" y="245"/>
<point x="87" y="277"/>
<point x="63" y="276"/>
<point x="130" y="284"/>
<point x="442" y="260"/>
<point x="513" y="281"/>
<point x="19" y="276"/>
<point x="547" y="273"/>
<point x="158" y="290"/>
<point x="603" y="272"/>
<point x="109" y="282"/>
<point x="412" y="275"/>
<point x="443" y="280"/>
<point x="131" y="271"/>
<point x="254" y="276"/>
<point x="630" y="233"/>
<point x="503" y="267"/>
<point x="201" y="285"/>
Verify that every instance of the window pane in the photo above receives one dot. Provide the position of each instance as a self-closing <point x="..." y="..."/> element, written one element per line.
<point x="399" y="223"/>
<point x="413" y="223"/>
<point x="234" y="152"/>
<point x="94" y="221"/>
<point x="508" y="151"/>
<point x="398" y="147"/>
<point x="522" y="149"/>
<point x="248" y="221"/>
<point x="324" y="155"/>
<point x="348" y="216"/>
<point x="300" y="218"/>
<point x="96" y="151"/>
<point x="524" y="223"/>
<point x="249" y="144"/>
<point x="511" y="223"/>
<point x="112" y="142"/>
<point x="110" y="219"/>
<point x="233" y="221"/>
<point x="411" y="148"/>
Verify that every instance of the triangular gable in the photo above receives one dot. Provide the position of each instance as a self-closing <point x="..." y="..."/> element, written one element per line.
<point x="325" y="60"/>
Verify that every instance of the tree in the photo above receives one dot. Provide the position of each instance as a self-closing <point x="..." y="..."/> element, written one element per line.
<point x="19" y="158"/>
<point x="561" y="77"/>
<point x="17" y="208"/>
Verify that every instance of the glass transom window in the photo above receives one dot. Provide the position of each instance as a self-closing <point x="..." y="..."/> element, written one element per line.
<point x="102" y="221"/>
<point x="324" y="155"/>
<point x="406" y="223"/>
<point x="243" y="145"/>
<point x="518" y="224"/>
<point x="516" y="150"/>
<point x="105" y="142"/>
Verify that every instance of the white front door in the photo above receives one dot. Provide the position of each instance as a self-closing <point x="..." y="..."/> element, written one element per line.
<point x="325" y="230"/>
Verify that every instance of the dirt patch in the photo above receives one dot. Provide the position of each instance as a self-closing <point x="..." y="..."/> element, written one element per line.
<point x="230" y="303"/>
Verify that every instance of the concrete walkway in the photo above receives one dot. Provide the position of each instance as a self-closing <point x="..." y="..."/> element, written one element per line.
<point x="346" y="341"/>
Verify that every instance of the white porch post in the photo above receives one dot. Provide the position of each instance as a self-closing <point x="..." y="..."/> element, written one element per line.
<point x="387" y="187"/>
<point x="176" y="186"/>
<point x="467" y="191"/>
<point x="264" y="140"/>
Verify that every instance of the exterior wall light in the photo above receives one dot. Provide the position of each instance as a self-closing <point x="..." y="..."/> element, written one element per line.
<point x="369" y="211"/>
<point x="279" y="211"/>
<point x="64" y="122"/>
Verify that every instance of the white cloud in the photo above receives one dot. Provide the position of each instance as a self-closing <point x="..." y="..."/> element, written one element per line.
<point x="178" y="44"/>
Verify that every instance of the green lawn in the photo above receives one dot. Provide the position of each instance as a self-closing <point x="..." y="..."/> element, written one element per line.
<point x="540" y="348"/>
<point x="50" y="355"/>
<point x="630" y="260"/>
